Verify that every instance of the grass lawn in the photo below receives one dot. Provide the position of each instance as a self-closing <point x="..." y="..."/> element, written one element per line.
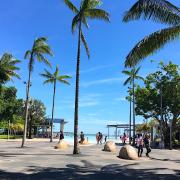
<point x="4" y="136"/>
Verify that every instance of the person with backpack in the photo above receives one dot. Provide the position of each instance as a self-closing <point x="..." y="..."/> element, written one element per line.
<point x="147" y="144"/>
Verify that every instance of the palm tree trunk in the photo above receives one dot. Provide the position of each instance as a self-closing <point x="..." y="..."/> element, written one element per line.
<point x="52" y="120"/>
<point x="30" y="127"/>
<point x="76" y="148"/>
<point x="134" y="121"/>
<point x="27" y="103"/>
<point x="130" y="122"/>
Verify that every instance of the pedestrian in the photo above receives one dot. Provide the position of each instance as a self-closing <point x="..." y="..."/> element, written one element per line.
<point x="82" y="137"/>
<point x="124" y="138"/>
<point x="140" y="145"/>
<point x="105" y="139"/>
<point x="100" y="137"/>
<point x="97" y="138"/>
<point x="61" y="136"/>
<point x="147" y="144"/>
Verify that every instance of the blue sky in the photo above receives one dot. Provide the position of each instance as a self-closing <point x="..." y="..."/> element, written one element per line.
<point x="102" y="94"/>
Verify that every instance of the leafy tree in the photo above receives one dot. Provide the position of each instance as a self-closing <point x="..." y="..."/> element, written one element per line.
<point x="159" y="11"/>
<point x="148" y="97"/>
<point x="88" y="10"/>
<point x="8" y="68"/>
<point x="37" y="112"/>
<point x="53" y="79"/>
<point x="133" y="74"/>
<point x="39" y="49"/>
<point x="11" y="108"/>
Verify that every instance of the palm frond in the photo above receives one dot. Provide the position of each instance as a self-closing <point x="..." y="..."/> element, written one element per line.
<point x="41" y="58"/>
<point x="157" y="10"/>
<point x="74" y="23"/>
<point x="136" y="70"/>
<point x="63" y="81"/>
<point x="85" y="45"/>
<point x="128" y="80"/>
<point x="139" y="77"/>
<point x="97" y="14"/>
<point x="46" y="74"/>
<point x="65" y="77"/>
<point x="51" y="81"/>
<point x="127" y="72"/>
<point x="84" y="21"/>
<point x="71" y="6"/>
<point x="27" y="54"/>
<point x="151" y="44"/>
<point x="56" y="73"/>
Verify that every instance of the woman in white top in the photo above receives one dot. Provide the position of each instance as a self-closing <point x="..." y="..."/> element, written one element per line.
<point x="140" y="145"/>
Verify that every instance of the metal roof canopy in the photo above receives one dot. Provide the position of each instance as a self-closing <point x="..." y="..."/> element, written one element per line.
<point x="118" y="126"/>
<point x="56" y="120"/>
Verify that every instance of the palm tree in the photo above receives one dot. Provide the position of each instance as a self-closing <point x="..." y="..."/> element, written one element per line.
<point x="159" y="11"/>
<point x="8" y="68"/>
<point x="39" y="49"/>
<point x="131" y="80"/>
<point x="129" y="98"/>
<point x="53" y="79"/>
<point x="88" y="10"/>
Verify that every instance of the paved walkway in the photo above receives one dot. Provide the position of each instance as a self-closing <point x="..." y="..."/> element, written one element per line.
<point x="39" y="160"/>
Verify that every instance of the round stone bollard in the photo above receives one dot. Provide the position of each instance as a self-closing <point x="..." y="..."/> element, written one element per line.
<point x="110" y="146"/>
<point x="85" y="142"/>
<point x="62" y="145"/>
<point x="128" y="152"/>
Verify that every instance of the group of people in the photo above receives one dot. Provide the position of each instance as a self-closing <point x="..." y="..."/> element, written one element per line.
<point x="143" y="142"/>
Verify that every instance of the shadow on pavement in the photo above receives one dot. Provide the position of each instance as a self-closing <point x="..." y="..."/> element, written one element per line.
<point x="90" y="171"/>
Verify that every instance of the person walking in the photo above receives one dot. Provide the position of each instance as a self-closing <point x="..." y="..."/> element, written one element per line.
<point x="105" y="139"/>
<point x="140" y="145"/>
<point x="82" y="137"/>
<point x="124" y="138"/>
<point x="61" y="136"/>
<point x="100" y="137"/>
<point x="147" y="144"/>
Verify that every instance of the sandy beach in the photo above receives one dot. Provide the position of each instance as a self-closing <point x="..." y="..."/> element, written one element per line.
<point x="39" y="160"/>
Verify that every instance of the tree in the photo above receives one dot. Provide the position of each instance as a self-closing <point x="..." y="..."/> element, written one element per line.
<point x="131" y="80"/>
<point x="148" y="97"/>
<point x="37" y="112"/>
<point x="88" y="9"/>
<point x="8" y="68"/>
<point x="53" y="79"/>
<point x="39" y="49"/>
<point x="159" y="11"/>
<point x="129" y="98"/>
<point x="11" y="108"/>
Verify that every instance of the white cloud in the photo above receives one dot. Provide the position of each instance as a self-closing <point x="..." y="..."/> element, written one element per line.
<point x="120" y="99"/>
<point x="93" y="69"/>
<point x="102" y="81"/>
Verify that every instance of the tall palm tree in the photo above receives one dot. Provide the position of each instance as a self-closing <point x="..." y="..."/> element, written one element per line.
<point x="88" y="10"/>
<point x="39" y="49"/>
<point x="159" y="11"/>
<point x="133" y="74"/>
<point x="129" y="98"/>
<point x="8" y="68"/>
<point x="53" y="79"/>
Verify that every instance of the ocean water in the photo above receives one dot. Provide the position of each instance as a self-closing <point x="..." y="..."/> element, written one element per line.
<point x="90" y="137"/>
